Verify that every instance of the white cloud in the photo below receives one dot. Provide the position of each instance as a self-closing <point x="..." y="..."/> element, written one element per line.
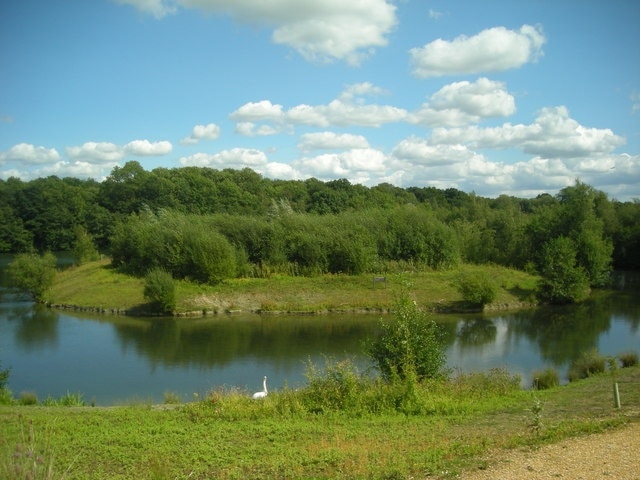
<point x="492" y="50"/>
<point x="96" y="152"/>
<point x="29" y="154"/>
<point x="416" y="151"/>
<point x="157" y="8"/>
<point x="145" y="148"/>
<point x="250" y="129"/>
<point x="78" y="169"/>
<point x="320" y="30"/>
<point x="280" y="171"/>
<point x="434" y="14"/>
<point x="263" y="110"/>
<point x="211" y="131"/>
<point x="552" y="134"/>
<point x="347" y="164"/>
<point x="354" y="92"/>
<point x="461" y="103"/>
<point x="349" y="109"/>
<point x="331" y="141"/>
<point x="234" y="158"/>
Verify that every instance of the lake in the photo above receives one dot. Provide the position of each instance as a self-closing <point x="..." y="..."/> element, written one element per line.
<point x="114" y="360"/>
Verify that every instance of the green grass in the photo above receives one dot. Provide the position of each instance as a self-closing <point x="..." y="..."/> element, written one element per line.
<point x="229" y="436"/>
<point x="98" y="285"/>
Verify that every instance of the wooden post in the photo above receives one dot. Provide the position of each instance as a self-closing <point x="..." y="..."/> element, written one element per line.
<point x="616" y="395"/>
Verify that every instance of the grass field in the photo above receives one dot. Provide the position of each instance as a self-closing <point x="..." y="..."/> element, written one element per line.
<point x="229" y="436"/>
<point x="98" y="285"/>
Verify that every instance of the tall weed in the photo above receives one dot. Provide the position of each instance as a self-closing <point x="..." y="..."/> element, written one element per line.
<point x="587" y="364"/>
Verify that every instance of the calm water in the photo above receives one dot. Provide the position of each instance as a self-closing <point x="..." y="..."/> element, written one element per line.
<point x="119" y="359"/>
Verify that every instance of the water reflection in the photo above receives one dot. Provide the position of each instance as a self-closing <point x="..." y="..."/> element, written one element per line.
<point x="117" y="358"/>
<point x="219" y="341"/>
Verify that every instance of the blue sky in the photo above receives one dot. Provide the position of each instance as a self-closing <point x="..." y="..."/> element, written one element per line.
<point x="495" y="97"/>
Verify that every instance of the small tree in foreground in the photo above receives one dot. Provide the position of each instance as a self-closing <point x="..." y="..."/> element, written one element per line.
<point x="409" y="344"/>
<point x="33" y="273"/>
<point x="160" y="290"/>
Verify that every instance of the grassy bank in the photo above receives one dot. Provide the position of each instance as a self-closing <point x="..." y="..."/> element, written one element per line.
<point x="450" y="427"/>
<point x="97" y="285"/>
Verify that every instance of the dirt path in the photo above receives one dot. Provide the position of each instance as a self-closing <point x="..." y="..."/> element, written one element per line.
<point x="610" y="455"/>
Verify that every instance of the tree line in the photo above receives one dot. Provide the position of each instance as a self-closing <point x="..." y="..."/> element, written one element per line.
<point x="209" y="224"/>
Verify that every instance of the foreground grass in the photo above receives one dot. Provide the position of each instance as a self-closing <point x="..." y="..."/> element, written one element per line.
<point x="97" y="285"/>
<point x="229" y="436"/>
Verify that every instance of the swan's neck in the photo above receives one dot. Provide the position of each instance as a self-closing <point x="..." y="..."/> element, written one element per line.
<point x="264" y="385"/>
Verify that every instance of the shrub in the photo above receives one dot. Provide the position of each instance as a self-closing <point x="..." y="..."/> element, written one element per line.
<point x="160" y="290"/>
<point x="563" y="279"/>
<point x="476" y="289"/>
<point x="33" y="273"/>
<point x="408" y="344"/>
<point x="336" y="387"/>
<point x="628" y="359"/>
<point x="172" y="398"/>
<point x="4" y="377"/>
<point x="71" y="400"/>
<point x="6" y="397"/>
<point x="28" y="398"/>
<point x="84" y="249"/>
<point x="547" y="378"/>
<point x="587" y="364"/>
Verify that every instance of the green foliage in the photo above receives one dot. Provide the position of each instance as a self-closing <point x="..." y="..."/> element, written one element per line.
<point x="461" y="420"/>
<point x="587" y="364"/>
<point x="477" y="289"/>
<point x="563" y="280"/>
<point x="6" y="398"/>
<point x="28" y="398"/>
<point x="536" y="425"/>
<point x="186" y="246"/>
<point x="160" y="290"/>
<point x="30" y="458"/>
<point x="415" y="235"/>
<point x="84" y="248"/>
<point x="409" y="344"/>
<point x="33" y="273"/>
<point x="339" y="386"/>
<point x="309" y="227"/>
<point x="544" y="379"/>
<point x="4" y="377"/>
<point x="627" y="359"/>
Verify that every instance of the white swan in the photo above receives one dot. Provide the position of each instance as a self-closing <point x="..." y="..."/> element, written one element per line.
<point x="264" y="392"/>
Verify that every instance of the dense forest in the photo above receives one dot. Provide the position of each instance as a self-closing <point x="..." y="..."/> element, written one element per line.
<point x="145" y="218"/>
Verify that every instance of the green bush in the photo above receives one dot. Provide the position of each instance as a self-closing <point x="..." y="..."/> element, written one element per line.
<point x="476" y="289"/>
<point x="339" y="386"/>
<point x="628" y="359"/>
<point x="4" y="377"/>
<point x="409" y="344"/>
<point x="28" y="398"/>
<point x="84" y="248"/>
<point x="587" y="364"/>
<point x="33" y="273"/>
<point x="547" y="378"/>
<point x="160" y="290"/>
<point x="563" y="279"/>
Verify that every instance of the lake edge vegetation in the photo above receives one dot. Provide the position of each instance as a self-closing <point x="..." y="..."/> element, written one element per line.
<point x="241" y="225"/>
<point x="346" y="424"/>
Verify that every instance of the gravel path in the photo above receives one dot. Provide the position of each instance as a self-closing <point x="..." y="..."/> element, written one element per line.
<point x="611" y="455"/>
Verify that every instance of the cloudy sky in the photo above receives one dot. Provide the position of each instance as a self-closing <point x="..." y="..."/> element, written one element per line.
<point x="495" y="97"/>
